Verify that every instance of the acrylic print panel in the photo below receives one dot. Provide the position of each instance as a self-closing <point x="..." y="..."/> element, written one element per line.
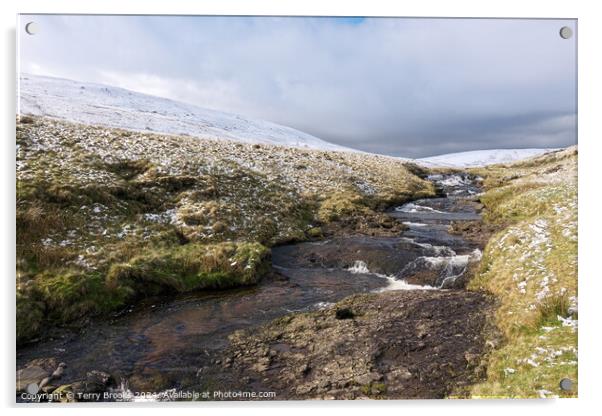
<point x="278" y="208"/>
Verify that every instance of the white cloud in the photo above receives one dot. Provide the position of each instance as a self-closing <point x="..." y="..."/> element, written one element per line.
<point x="402" y="86"/>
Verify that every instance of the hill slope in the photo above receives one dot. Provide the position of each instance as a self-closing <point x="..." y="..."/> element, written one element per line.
<point x="108" y="106"/>
<point x="106" y="216"/>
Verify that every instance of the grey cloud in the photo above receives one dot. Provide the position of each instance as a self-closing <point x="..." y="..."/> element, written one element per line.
<point x="408" y="87"/>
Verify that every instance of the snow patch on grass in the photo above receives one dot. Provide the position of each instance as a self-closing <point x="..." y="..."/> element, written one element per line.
<point x="530" y="265"/>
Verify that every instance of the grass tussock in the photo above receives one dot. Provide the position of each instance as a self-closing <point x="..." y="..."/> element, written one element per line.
<point x="191" y="267"/>
<point x="530" y="266"/>
<point x="341" y="204"/>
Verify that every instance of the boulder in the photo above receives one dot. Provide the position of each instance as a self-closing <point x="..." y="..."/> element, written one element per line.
<point x="34" y="372"/>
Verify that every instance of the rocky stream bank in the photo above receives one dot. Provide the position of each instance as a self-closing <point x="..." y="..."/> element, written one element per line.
<point x="344" y="317"/>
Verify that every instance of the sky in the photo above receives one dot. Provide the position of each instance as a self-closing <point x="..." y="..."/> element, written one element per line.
<point x="397" y="86"/>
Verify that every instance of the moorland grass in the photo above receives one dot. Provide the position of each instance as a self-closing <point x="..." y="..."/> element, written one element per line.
<point x="530" y="266"/>
<point x="108" y="216"/>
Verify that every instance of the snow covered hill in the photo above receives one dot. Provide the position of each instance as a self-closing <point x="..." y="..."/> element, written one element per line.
<point x="109" y="106"/>
<point x="481" y="157"/>
<point x="117" y="107"/>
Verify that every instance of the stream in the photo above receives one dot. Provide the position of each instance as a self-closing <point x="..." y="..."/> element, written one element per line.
<point x="161" y="343"/>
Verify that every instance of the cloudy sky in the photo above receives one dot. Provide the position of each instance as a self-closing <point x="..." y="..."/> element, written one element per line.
<point x="404" y="87"/>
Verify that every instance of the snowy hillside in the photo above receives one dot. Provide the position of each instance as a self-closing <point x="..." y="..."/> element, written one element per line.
<point x="481" y="157"/>
<point x="116" y="107"/>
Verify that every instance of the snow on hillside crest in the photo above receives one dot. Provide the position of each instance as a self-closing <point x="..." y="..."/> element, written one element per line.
<point x="481" y="157"/>
<point x="108" y="106"/>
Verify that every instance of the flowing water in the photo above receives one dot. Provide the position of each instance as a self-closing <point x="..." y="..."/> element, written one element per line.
<point x="164" y="341"/>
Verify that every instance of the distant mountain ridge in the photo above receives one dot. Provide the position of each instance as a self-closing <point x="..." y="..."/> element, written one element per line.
<point x="109" y="106"/>
<point x="481" y="157"/>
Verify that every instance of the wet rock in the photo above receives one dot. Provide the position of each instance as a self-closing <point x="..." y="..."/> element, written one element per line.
<point x="96" y="382"/>
<point x="30" y="375"/>
<point x="381" y="255"/>
<point x="48" y="389"/>
<point x="400" y="373"/>
<point x="344" y="313"/>
<point x="368" y="378"/>
<point x="59" y="370"/>
<point x="100" y="378"/>
<point x="386" y="222"/>
<point x="90" y="389"/>
<point x="477" y="232"/>
<point x="155" y="379"/>
<point x="35" y="372"/>
<point x="56" y="374"/>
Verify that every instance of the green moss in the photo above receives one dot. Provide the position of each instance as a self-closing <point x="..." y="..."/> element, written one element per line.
<point x="315" y="232"/>
<point x="191" y="267"/>
<point x="30" y="316"/>
<point x="374" y="389"/>
<point x="63" y="296"/>
<point x="72" y="295"/>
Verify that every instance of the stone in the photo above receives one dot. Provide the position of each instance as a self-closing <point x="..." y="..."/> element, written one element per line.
<point x="263" y="364"/>
<point x="303" y="389"/>
<point x="48" y="388"/>
<point x="344" y="313"/>
<point x="30" y="375"/>
<point x="100" y="378"/>
<point x="399" y="374"/>
<point x="422" y="330"/>
<point x="304" y="369"/>
<point x="363" y="379"/>
<point x="471" y="358"/>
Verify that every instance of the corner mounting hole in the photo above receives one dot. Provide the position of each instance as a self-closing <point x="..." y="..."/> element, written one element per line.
<point x="566" y="32"/>
<point x="31" y="28"/>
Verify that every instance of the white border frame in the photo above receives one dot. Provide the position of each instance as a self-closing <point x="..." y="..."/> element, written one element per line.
<point x="590" y="68"/>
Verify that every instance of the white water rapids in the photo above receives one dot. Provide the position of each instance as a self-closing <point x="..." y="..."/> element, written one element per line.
<point x="360" y="267"/>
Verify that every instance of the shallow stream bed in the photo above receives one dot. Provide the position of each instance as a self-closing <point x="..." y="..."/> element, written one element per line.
<point x="160" y="344"/>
